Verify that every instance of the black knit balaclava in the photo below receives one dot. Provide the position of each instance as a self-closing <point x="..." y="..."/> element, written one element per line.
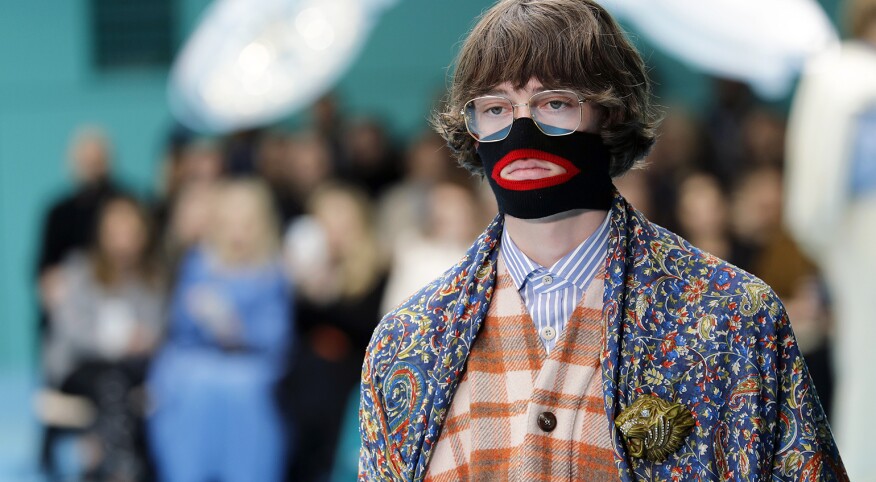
<point x="586" y="184"/>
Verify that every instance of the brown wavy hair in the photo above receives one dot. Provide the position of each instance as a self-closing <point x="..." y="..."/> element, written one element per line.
<point x="565" y="44"/>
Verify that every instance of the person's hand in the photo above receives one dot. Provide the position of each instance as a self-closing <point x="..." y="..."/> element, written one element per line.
<point x="51" y="287"/>
<point x="216" y="315"/>
<point x="142" y="342"/>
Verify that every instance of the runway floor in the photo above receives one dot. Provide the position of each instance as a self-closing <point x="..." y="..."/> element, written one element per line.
<point x="20" y="432"/>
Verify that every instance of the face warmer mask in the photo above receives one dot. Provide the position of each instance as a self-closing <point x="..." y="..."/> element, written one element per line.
<point x="585" y="184"/>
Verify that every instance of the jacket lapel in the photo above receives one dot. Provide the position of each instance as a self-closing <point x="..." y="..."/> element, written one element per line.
<point x="620" y="251"/>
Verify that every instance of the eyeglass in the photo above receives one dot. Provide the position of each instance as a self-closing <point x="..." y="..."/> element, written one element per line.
<point x="555" y="112"/>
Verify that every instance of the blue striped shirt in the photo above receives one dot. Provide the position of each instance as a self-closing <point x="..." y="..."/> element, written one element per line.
<point x="551" y="294"/>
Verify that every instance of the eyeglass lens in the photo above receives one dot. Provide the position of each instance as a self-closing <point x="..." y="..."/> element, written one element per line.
<point x="556" y="113"/>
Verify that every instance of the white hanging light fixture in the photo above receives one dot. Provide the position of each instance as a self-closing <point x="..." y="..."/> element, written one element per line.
<point x="250" y="62"/>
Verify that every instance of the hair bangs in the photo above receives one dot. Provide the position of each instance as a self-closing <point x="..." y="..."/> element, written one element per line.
<point x="564" y="44"/>
<point x="513" y="48"/>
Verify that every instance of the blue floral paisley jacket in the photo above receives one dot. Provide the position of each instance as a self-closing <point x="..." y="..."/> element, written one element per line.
<point x="680" y="324"/>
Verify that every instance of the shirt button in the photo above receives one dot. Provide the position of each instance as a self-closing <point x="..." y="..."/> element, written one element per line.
<point x="548" y="279"/>
<point x="548" y="333"/>
<point x="547" y="421"/>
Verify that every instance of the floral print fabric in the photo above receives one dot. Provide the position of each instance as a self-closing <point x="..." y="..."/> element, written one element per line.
<point x="679" y="324"/>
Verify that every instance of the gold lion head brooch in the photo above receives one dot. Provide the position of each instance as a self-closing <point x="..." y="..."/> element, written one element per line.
<point x="653" y="428"/>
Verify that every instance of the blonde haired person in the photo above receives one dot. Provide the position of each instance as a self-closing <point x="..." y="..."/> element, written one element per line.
<point x="215" y="417"/>
<point x="340" y="279"/>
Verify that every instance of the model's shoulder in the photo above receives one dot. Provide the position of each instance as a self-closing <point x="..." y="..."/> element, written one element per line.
<point x="667" y="253"/>
<point x="431" y="308"/>
<point x="423" y="305"/>
<point x="422" y="297"/>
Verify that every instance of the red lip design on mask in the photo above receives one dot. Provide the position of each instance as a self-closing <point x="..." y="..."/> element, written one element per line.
<point x="529" y="184"/>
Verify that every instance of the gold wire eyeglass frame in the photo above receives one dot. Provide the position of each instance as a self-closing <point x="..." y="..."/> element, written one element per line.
<point x="514" y="113"/>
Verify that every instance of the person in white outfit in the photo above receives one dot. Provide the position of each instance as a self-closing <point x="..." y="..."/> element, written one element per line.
<point x="831" y="211"/>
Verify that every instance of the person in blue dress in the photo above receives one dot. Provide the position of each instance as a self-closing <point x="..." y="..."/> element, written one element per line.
<point x="214" y="414"/>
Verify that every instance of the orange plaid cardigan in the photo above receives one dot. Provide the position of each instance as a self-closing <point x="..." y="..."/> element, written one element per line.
<point x="492" y="433"/>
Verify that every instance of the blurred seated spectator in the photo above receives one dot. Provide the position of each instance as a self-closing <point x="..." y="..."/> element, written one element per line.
<point x="680" y="150"/>
<point x="370" y="159"/>
<point x="723" y="125"/>
<point x="214" y="417"/>
<point x="755" y="214"/>
<point x="240" y="150"/>
<point x="69" y="222"/>
<point x="271" y="159"/>
<point x="763" y="137"/>
<point x="702" y="214"/>
<point x="106" y="322"/>
<point x="188" y="223"/>
<point x="427" y="162"/>
<point x="326" y="119"/>
<point x="294" y="166"/>
<point x="200" y="160"/>
<point x="189" y="160"/>
<point x="333" y="255"/>
<point x="440" y="237"/>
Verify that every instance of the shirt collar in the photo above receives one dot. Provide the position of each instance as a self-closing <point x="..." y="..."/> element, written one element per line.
<point x="576" y="267"/>
<point x="519" y="265"/>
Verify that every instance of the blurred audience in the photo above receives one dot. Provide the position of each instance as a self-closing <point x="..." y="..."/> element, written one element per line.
<point x="723" y="125"/>
<point x="240" y="152"/>
<point x="188" y="223"/>
<point x="200" y="160"/>
<point x="68" y="226"/>
<point x="763" y="138"/>
<point x="326" y="119"/>
<point x="755" y="214"/>
<point x="105" y="323"/>
<point x="702" y="215"/>
<point x="188" y="160"/>
<point x="403" y="205"/>
<point x="69" y="222"/>
<point x="370" y="158"/>
<point x="214" y="416"/>
<point x="681" y="148"/>
<point x="436" y="241"/>
<point x="294" y="166"/>
<point x="333" y="255"/>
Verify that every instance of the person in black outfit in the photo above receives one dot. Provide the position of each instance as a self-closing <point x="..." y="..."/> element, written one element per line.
<point x="68" y="226"/>
<point x="339" y="290"/>
<point x="69" y="222"/>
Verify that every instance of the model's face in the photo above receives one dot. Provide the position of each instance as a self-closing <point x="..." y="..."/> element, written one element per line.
<point x="529" y="169"/>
